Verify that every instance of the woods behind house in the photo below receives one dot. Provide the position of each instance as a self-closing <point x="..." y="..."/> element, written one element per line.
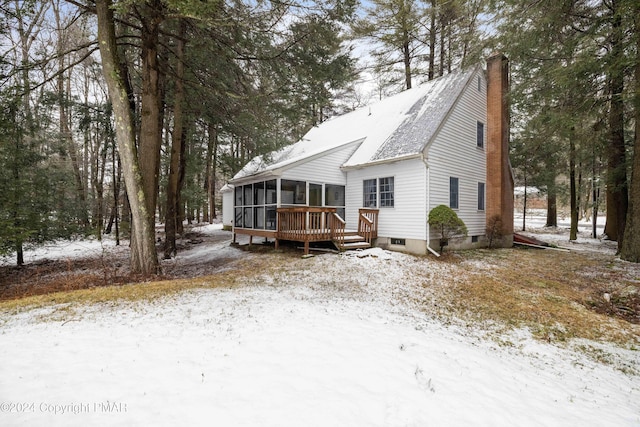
<point x="115" y="115"/>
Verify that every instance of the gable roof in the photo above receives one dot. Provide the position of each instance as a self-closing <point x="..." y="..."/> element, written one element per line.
<point x="393" y="128"/>
<point x="424" y="118"/>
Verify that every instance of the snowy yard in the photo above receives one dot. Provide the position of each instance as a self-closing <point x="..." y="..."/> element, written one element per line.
<point x="339" y="340"/>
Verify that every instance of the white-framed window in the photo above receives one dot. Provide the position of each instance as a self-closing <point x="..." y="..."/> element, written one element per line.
<point x="481" y="196"/>
<point x="386" y="192"/>
<point x="369" y="193"/>
<point x="382" y="189"/>
<point x="454" y="192"/>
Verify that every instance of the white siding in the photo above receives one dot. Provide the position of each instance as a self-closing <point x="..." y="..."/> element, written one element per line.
<point x="323" y="169"/>
<point x="227" y="207"/>
<point x="454" y="153"/>
<point x="408" y="218"/>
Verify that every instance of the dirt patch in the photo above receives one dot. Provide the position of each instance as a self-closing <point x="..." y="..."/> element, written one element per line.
<point x="107" y="269"/>
<point x="49" y="276"/>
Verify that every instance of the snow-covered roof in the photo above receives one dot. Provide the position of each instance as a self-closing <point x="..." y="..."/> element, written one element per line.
<point x="395" y="127"/>
<point x="424" y="118"/>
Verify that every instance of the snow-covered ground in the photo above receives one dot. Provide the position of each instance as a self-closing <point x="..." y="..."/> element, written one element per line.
<point x="298" y="348"/>
<point x="559" y="236"/>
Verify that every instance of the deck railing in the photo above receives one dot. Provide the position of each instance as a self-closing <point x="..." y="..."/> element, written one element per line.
<point x="304" y="224"/>
<point x="337" y="225"/>
<point x="368" y="224"/>
<point x="317" y="224"/>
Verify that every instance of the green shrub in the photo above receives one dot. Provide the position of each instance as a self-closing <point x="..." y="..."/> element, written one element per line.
<point x="446" y="222"/>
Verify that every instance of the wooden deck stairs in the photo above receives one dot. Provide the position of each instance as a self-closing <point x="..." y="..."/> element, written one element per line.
<point x="362" y="238"/>
<point x="352" y="240"/>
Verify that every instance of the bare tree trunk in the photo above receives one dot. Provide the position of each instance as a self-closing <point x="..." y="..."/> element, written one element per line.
<point x="209" y="185"/>
<point x="406" y="52"/>
<point x="177" y="141"/>
<point x="617" y="191"/>
<point x="214" y="172"/>
<point x="143" y="255"/>
<point x="631" y="244"/>
<point x="524" y="204"/>
<point x="595" y="196"/>
<point x="442" y="46"/>
<point x="150" y="122"/>
<point x="116" y="194"/>
<point x="432" y="41"/>
<point x="573" y="233"/>
<point x="97" y="180"/>
<point x="552" y="207"/>
<point x="181" y="175"/>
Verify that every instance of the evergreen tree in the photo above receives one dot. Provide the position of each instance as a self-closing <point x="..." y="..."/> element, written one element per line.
<point x="394" y="26"/>
<point x="566" y="75"/>
<point x="411" y="39"/>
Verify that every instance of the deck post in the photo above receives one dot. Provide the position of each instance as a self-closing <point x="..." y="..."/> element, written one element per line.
<point x="277" y="244"/>
<point x="306" y="247"/>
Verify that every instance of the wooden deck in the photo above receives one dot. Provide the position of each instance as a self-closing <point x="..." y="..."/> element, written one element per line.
<point x="317" y="224"/>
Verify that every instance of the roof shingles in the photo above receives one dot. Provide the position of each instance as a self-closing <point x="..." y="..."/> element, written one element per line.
<point x="424" y="118"/>
<point x="396" y="127"/>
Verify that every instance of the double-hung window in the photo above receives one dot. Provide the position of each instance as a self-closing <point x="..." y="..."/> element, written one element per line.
<point x="386" y="192"/>
<point x="378" y="192"/>
<point x="480" y="135"/>
<point x="454" y="192"/>
<point x="370" y="193"/>
<point x="481" y="196"/>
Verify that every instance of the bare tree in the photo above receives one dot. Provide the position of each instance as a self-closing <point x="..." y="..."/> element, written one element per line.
<point x="144" y="258"/>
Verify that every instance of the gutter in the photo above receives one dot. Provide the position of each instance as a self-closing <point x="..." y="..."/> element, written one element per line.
<point x="263" y="175"/>
<point x="383" y="161"/>
<point x="428" y="207"/>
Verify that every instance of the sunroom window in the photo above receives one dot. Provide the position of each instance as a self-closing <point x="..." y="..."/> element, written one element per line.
<point x="334" y="196"/>
<point x="255" y="205"/>
<point x="293" y="192"/>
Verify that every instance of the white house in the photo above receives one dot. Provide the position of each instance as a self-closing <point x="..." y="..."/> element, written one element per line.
<point x="379" y="170"/>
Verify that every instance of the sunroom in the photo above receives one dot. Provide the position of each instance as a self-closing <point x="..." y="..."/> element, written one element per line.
<point x="302" y="211"/>
<point x="256" y="203"/>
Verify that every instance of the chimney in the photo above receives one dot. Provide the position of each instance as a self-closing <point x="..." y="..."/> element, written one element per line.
<point x="499" y="177"/>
